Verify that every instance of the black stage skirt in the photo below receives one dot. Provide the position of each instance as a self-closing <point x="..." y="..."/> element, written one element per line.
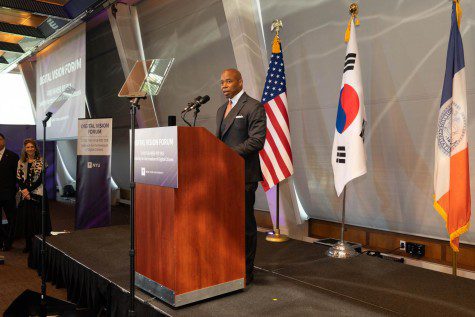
<point x="28" y="222"/>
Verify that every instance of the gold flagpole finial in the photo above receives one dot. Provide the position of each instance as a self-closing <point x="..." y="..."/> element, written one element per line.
<point x="354" y="10"/>
<point x="276" y="26"/>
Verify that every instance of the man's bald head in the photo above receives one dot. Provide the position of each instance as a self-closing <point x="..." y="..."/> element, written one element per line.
<point x="231" y="82"/>
<point x="233" y="72"/>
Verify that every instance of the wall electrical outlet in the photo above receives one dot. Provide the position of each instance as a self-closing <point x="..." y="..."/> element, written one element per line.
<point x="415" y="249"/>
<point x="402" y="245"/>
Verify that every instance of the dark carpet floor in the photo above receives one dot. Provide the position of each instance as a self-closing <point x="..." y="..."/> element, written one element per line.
<point x="294" y="279"/>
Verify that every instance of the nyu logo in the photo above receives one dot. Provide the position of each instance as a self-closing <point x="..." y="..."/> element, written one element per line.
<point x="142" y="171"/>
<point x="93" y="165"/>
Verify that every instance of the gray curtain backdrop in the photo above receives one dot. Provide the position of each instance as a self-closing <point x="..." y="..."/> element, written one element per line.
<point x="402" y="46"/>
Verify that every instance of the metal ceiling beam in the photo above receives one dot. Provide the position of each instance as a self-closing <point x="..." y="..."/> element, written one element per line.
<point x="22" y="30"/>
<point x="42" y="34"/>
<point x="11" y="47"/>
<point x="36" y="7"/>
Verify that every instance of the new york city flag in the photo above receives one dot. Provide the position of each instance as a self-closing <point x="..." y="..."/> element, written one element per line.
<point x="451" y="174"/>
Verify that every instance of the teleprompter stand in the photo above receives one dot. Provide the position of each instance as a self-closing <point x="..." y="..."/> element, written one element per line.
<point x="146" y="78"/>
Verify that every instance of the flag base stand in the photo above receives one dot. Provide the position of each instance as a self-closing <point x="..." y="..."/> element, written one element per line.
<point x="275" y="236"/>
<point x="341" y="250"/>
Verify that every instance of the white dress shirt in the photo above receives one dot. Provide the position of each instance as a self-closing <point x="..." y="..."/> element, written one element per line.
<point x="235" y="99"/>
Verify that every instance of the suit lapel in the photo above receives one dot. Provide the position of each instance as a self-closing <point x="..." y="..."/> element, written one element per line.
<point x="219" y="119"/>
<point x="234" y="112"/>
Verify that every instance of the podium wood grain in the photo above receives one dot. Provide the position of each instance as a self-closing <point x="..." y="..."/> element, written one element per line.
<point x="192" y="237"/>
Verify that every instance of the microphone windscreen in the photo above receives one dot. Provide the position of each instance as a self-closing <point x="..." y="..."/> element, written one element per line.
<point x="204" y="99"/>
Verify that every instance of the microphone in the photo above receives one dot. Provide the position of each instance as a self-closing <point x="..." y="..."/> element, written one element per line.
<point x="201" y="101"/>
<point x="197" y="103"/>
<point x="190" y="104"/>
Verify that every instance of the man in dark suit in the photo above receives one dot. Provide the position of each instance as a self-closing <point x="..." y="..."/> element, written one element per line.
<point x="8" y="166"/>
<point x="241" y="124"/>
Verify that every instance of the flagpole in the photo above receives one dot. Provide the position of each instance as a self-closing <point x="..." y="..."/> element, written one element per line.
<point x="342" y="250"/>
<point x="276" y="236"/>
<point x="342" y="235"/>
<point x="454" y="103"/>
<point x="454" y="263"/>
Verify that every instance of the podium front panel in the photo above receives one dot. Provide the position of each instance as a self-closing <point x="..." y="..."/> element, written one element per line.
<point x="190" y="239"/>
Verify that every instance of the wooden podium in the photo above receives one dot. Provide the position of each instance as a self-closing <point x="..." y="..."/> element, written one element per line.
<point x="190" y="239"/>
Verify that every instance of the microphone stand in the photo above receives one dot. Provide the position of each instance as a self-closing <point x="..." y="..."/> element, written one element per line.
<point x="197" y="110"/>
<point x="199" y="101"/>
<point x="29" y="301"/>
<point x="184" y="112"/>
<point x="134" y="106"/>
<point x="43" y="222"/>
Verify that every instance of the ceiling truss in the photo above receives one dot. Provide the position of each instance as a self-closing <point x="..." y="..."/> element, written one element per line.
<point x="37" y="8"/>
<point x="27" y="26"/>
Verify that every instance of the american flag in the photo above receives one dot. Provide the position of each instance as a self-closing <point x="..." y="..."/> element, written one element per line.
<point x="276" y="156"/>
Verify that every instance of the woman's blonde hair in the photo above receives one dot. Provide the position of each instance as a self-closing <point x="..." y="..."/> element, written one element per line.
<point x="24" y="155"/>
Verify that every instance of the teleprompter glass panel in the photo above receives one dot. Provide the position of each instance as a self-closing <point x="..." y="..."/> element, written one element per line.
<point x="61" y="100"/>
<point x="146" y="78"/>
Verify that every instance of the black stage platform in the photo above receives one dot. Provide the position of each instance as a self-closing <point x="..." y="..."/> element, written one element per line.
<point x="291" y="279"/>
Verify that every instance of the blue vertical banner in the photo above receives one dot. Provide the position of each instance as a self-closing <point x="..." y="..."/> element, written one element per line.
<point x="93" y="184"/>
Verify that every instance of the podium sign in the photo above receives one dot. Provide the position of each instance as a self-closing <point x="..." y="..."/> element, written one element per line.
<point x="156" y="156"/>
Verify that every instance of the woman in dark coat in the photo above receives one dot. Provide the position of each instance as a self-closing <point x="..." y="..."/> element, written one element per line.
<point x="30" y="167"/>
